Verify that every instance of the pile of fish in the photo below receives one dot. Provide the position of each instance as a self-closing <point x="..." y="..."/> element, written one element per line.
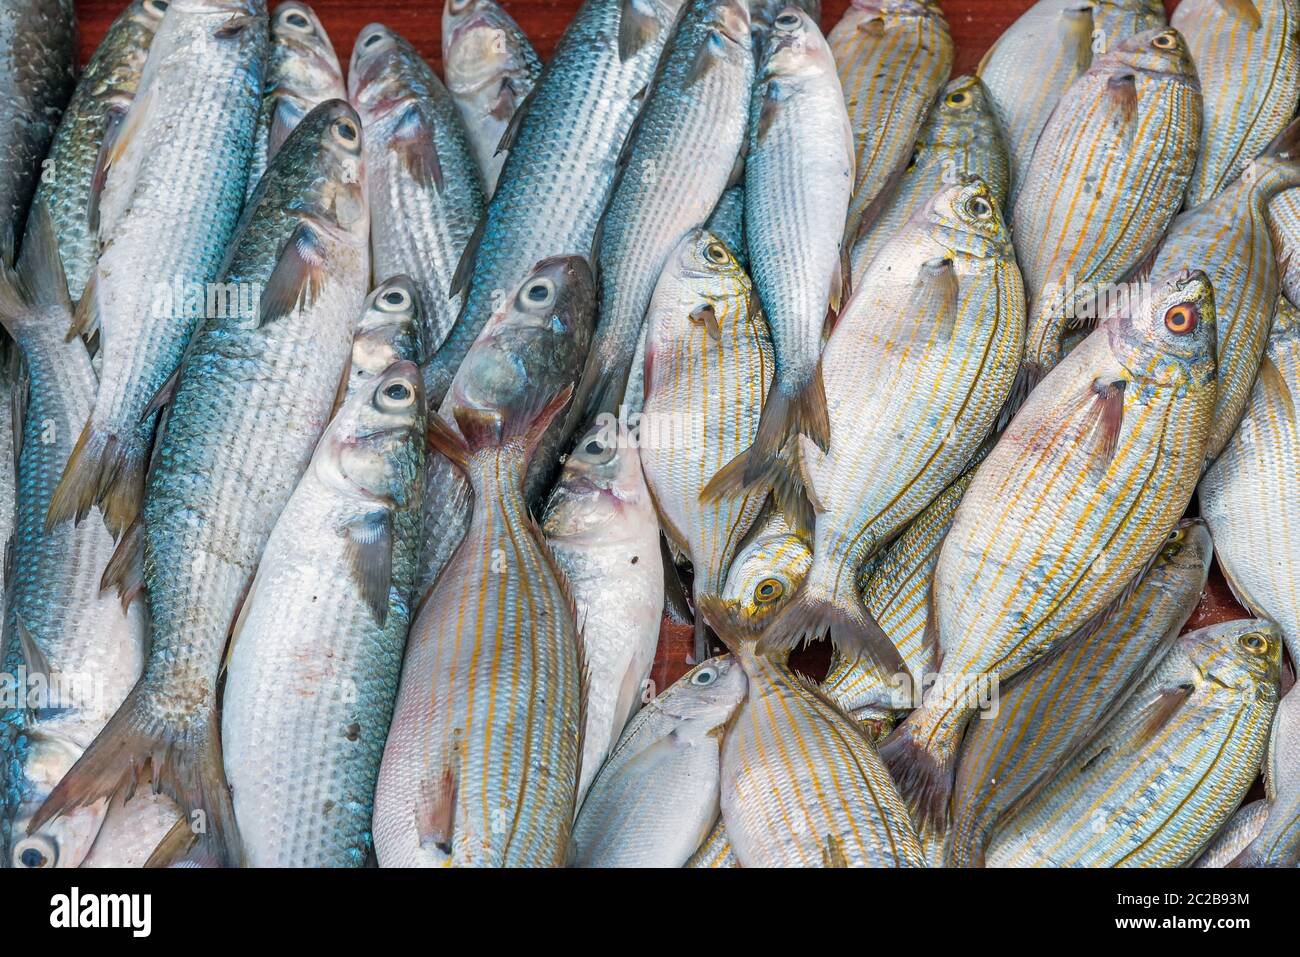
<point x="369" y="427"/>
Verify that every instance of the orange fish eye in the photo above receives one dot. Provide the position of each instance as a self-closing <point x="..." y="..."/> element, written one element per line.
<point x="1181" y="319"/>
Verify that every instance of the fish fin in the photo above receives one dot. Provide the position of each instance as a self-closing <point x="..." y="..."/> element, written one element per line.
<point x="125" y="569"/>
<point x="784" y="416"/>
<point x="85" y="317"/>
<point x="1157" y="714"/>
<point x="298" y="277"/>
<point x="235" y="26"/>
<point x="415" y="146"/>
<point x="1030" y="373"/>
<point x="1106" y="416"/>
<point x="370" y="557"/>
<point x="284" y="117"/>
<point x="924" y="779"/>
<point x="701" y="632"/>
<point x="435" y="812"/>
<point x="838" y="285"/>
<point x="444" y="439"/>
<point x="511" y="132"/>
<point x="852" y="628"/>
<point x="1243" y="10"/>
<point x="102" y="469"/>
<point x="1121" y="95"/>
<point x="465" y="267"/>
<point x="40" y="267"/>
<point x="504" y="106"/>
<point x="721" y="616"/>
<point x="879" y="203"/>
<point x="483" y="428"/>
<point x="175" y="848"/>
<point x="1274" y="385"/>
<point x="935" y="295"/>
<point x="833" y="852"/>
<point x="117" y="139"/>
<point x="600" y="390"/>
<point x="783" y="477"/>
<point x="708" y="317"/>
<point x="709" y="55"/>
<point x="163" y="397"/>
<point x="113" y="124"/>
<point x="676" y="606"/>
<point x="185" y="764"/>
<point x="637" y="26"/>
<point x="33" y="657"/>
<point x="767" y="112"/>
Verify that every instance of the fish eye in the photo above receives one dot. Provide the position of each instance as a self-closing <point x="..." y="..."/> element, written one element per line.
<point x="980" y="208"/>
<point x="1181" y="319"/>
<point x="957" y="98"/>
<point x="395" y="300"/>
<point x="1254" y="642"/>
<point x="296" y="20"/>
<point x="716" y="253"/>
<point x="372" y="39"/>
<point x="1164" y="42"/>
<point x="345" y="131"/>
<point x="397" y="395"/>
<point x="35" y="852"/>
<point x="787" y="20"/>
<point x="768" y="591"/>
<point x="539" y="293"/>
<point x="1176" y="536"/>
<point x="157" y="7"/>
<point x="593" y="447"/>
<point x="705" y="676"/>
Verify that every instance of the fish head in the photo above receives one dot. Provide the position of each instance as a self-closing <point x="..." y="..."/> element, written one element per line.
<point x="795" y="47"/>
<point x="377" y="68"/>
<point x="1242" y="656"/>
<point x="478" y="46"/>
<point x="534" y="342"/>
<point x="766" y="572"/>
<point x="329" y="142"/>
<point x="1169" y="338"/>
<point x="965" y="113"/>
<point x="601" y="479"/>
<point x="710" y="691"/>
<point x="1162" y="51"/>
<point x="310" y="64"/>
<point x="374" y="436"/>
<point x="45" y="755"/>
<point x="1187" y="550"/>
<point x="964" y="219"/>
<point x="388" y="330"/>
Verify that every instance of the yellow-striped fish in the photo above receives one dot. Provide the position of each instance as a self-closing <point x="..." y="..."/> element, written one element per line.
<point x="1242" y="828"/>
<point x="802" y="785"/>
<point x="1077" y="496"/>
<point x="892" y="56"/>
<point x="1053" y="707"/>
<point x="1248" y="59"/>
<point x="708" y="365"/>
<point x="1116" y="20"/>
<point x="715" y="851"/>
<point x="1278" y="842"/>
<point x="1106" y="178"/>
<point x="1156" y="784"/>
<point x="916" y="371"/>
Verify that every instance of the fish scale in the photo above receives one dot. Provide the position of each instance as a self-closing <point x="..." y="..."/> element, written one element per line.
<point x="420" y="227"/>
<point x="1242" y="828"/>
<point x="715" y="851"/>
<point x="1053" y="707"/>
<point x="1152" y="789"/>
<point x="1054" y="526"/>
<point x="560" y="169"/>
<point x="893" y="56"/>
<point x="1103" y="185"/>
<point x="1248" y="58"/>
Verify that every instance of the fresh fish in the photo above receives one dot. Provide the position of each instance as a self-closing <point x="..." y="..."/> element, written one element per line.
<point x="656" y="799"/>
<point x="763" y="12"/>
<point x="1248" y="58"/>
<point x="69" y="185"/>
<point x="1284" y="227"/>
<point x="768" y="568"/>
<point x="13" y="391"/>
<point x="1104" y="183"/>
<point x="534" y="345"/>
<point x="132" y="829"/>
<point x="1157" y="783"/>
<point x="302" y="72"/>
<point x="251" y="398"/>
<point x="1116" y="20"/>
<point x="1242" y="828"/>
<point x="302" y="742"/>
<point x="798" y="179"/>
<point x="1228" y="236"/>
<point x="802" y="785"/>
<point x="180" y="157"/>
<point x="564" y="146"/>
<point x="1250" y="496"/>
<point x="81" y="647"/>
<point x="387" y="332"/>
<point x="716" y="851"/>
<point x="937" y="330"/>
<point x="482" y="759"/>
<point x="708" y="364"/>
<point x="893" y="58"/>
<point x="680" y="156"/>
<point x="425" y="195"/>
<point x="490" y="68"/>
<point x="38" y="53"/>
<point x="960" y="139"/>
<point x="896" y="591"/>
<point x="1029" y="68"/>
<point x="1051" y="709"/>
<point x="1078" y="495"/>
<point x="1278" y="842"/>
<point x="601" y="529"/>
<point x="727" y="222"/>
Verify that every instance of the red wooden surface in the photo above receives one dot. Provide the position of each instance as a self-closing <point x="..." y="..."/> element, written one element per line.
<point x="975" y="25"/>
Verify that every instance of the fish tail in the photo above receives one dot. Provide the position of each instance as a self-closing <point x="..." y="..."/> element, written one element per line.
<point x="781" y="475"/>
<point x="102" y="470"/>
<point x="185" y="764"/>
<point x="600" y="391"/>
<point x="921" y="756"/>
<point x="724" y="621"/>
<point x="485" y="428"/>
<point x="37" y="280"/>
<point x="785" y="415"/>
<point x="124" y="572"/>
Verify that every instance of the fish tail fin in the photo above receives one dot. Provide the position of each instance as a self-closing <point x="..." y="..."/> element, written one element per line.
<point x="124" y="572"/>
<point x="785" y="415"/>
<point x="185" y="764"/>
<point x="529" y="421"/>
<point x="92" y="457"/>
<point x="921" y="756"/>
<point x="782" y="476"/>
<point x="817" y="610"/>
<point x="37" y="280"/>
<point x="726" y="624"/>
